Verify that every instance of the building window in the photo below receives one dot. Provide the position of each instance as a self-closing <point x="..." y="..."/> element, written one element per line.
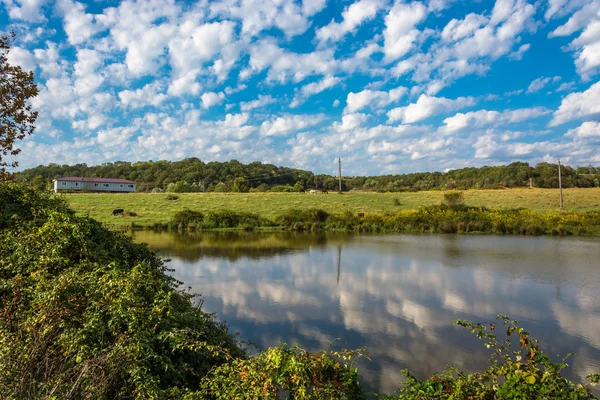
<point x="106" y="185"/>
<point x="96" y="184"/>
<point x="131" y="186"/>
<point x="63" y="183"/>
<point x="76" y="183"/>
<point x="120" y="185"/>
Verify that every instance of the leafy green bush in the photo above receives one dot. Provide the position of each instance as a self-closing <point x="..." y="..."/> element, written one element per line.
<point x="263" y="187"/>
<point x="454" y="199"/>
<point x="523" y="372"/>
<point x="431" y="219"/>
<point x="293" y="371"/>
<point x="22" y="205"/>
<point x="461" y="219"/>
<point x="310" y="219"/>
<point x="190" y="220"/>
<point x="232" y="219"/>
<point x="283" y="188"/>
<point x="221" y="188"/>
<point x="519" y="370"/>
<point x="187" y="218"/>
<point x="86" y="313"/>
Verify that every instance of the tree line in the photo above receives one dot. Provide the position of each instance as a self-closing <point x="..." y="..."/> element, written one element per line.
<point x="195" y="175"/>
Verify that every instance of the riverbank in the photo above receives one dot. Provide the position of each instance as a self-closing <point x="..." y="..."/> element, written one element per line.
<point x="431" y="219"/>
<point x="150" y="209"/>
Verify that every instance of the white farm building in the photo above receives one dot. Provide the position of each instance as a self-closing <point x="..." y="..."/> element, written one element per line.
<point x="68" y="183"/>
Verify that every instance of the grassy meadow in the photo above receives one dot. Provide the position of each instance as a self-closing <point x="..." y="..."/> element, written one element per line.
<point x="154" y="208"/>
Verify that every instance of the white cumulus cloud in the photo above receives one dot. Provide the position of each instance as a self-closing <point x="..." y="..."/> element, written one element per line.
<point x="427" y="106"/>
<point x="352" y="17"/>
<point x="400" y="28"/>
<point x="539" y="83"/>
<point x="261" y="101"/>
<point x="578" y="105"/>
<point x="313" y="88"/>
<point x="150" y="94"/>
<point x="25" y="10"/>
<point x="589" y="129"/>
<point x="481" y="118"/>
<point x="281" y="126"/>
<point x="210" y="99"/>
<point x="586" y="46"/>
<point x="372" y="98"/>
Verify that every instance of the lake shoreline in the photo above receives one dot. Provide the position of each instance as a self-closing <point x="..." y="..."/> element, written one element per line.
<point x="425" y="220"/>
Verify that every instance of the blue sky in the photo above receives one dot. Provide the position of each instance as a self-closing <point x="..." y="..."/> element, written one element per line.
<point x="388" y="86"/>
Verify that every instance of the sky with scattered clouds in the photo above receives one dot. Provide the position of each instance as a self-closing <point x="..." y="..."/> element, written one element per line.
<point x="388" y="86"/>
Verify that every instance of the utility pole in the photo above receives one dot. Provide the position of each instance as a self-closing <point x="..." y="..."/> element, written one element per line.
<point x="339" y="263"/>
<point x="560" y="185"/>
<point x="340" y="173"/>
<point x="530" y="183"/>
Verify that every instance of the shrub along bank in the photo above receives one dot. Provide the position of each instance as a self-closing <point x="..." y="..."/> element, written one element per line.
<point x="87" y="314"/>
<point x="431" y="219"/>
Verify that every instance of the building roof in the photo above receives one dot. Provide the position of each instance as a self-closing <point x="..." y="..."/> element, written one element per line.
<point x="84" y="179"/>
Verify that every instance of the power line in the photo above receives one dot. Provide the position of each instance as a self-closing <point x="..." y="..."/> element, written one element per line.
<point x="340" y="173"/>
<point x="268" y="177"/>
<point x="560" y="185"/>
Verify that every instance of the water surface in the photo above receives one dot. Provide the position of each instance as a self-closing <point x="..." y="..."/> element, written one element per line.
<point x="397" y="295"/>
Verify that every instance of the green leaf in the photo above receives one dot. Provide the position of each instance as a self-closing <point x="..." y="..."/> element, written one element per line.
<point x="530" y="379"/>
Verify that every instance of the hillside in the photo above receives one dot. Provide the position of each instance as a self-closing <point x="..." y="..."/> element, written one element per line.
<point x="195" y="175"/>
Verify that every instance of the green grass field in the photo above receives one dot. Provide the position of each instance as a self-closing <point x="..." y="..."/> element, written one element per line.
<point x="153" y="208"/>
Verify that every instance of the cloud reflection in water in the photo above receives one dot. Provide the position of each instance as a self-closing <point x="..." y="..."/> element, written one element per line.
<point x="398" y="295"/>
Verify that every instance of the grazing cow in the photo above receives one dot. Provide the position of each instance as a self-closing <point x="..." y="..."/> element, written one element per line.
<point x="313" y="191"/>
<point x="301" y="191"/>
<point x="361" y="214"/>
<point x="117" y="211"/>
<point x="324" y="191"/>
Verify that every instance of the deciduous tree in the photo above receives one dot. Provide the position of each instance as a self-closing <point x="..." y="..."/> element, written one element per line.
<point x="17" y="88"/>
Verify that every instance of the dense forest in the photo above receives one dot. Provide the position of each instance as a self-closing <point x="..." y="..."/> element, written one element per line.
<point x="195" y="175"/>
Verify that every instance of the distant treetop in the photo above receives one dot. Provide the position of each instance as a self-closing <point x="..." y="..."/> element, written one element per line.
<point x="195" y="175"/>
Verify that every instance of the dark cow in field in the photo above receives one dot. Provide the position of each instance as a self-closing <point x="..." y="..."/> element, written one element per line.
<point x="324" y="191"/>
<point x="117" y="211"/>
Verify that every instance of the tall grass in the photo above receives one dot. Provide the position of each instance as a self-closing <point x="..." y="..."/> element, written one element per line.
<point x="431" y="219"/>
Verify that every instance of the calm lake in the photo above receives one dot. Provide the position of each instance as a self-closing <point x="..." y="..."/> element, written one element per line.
<point x="396" y="295"/>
